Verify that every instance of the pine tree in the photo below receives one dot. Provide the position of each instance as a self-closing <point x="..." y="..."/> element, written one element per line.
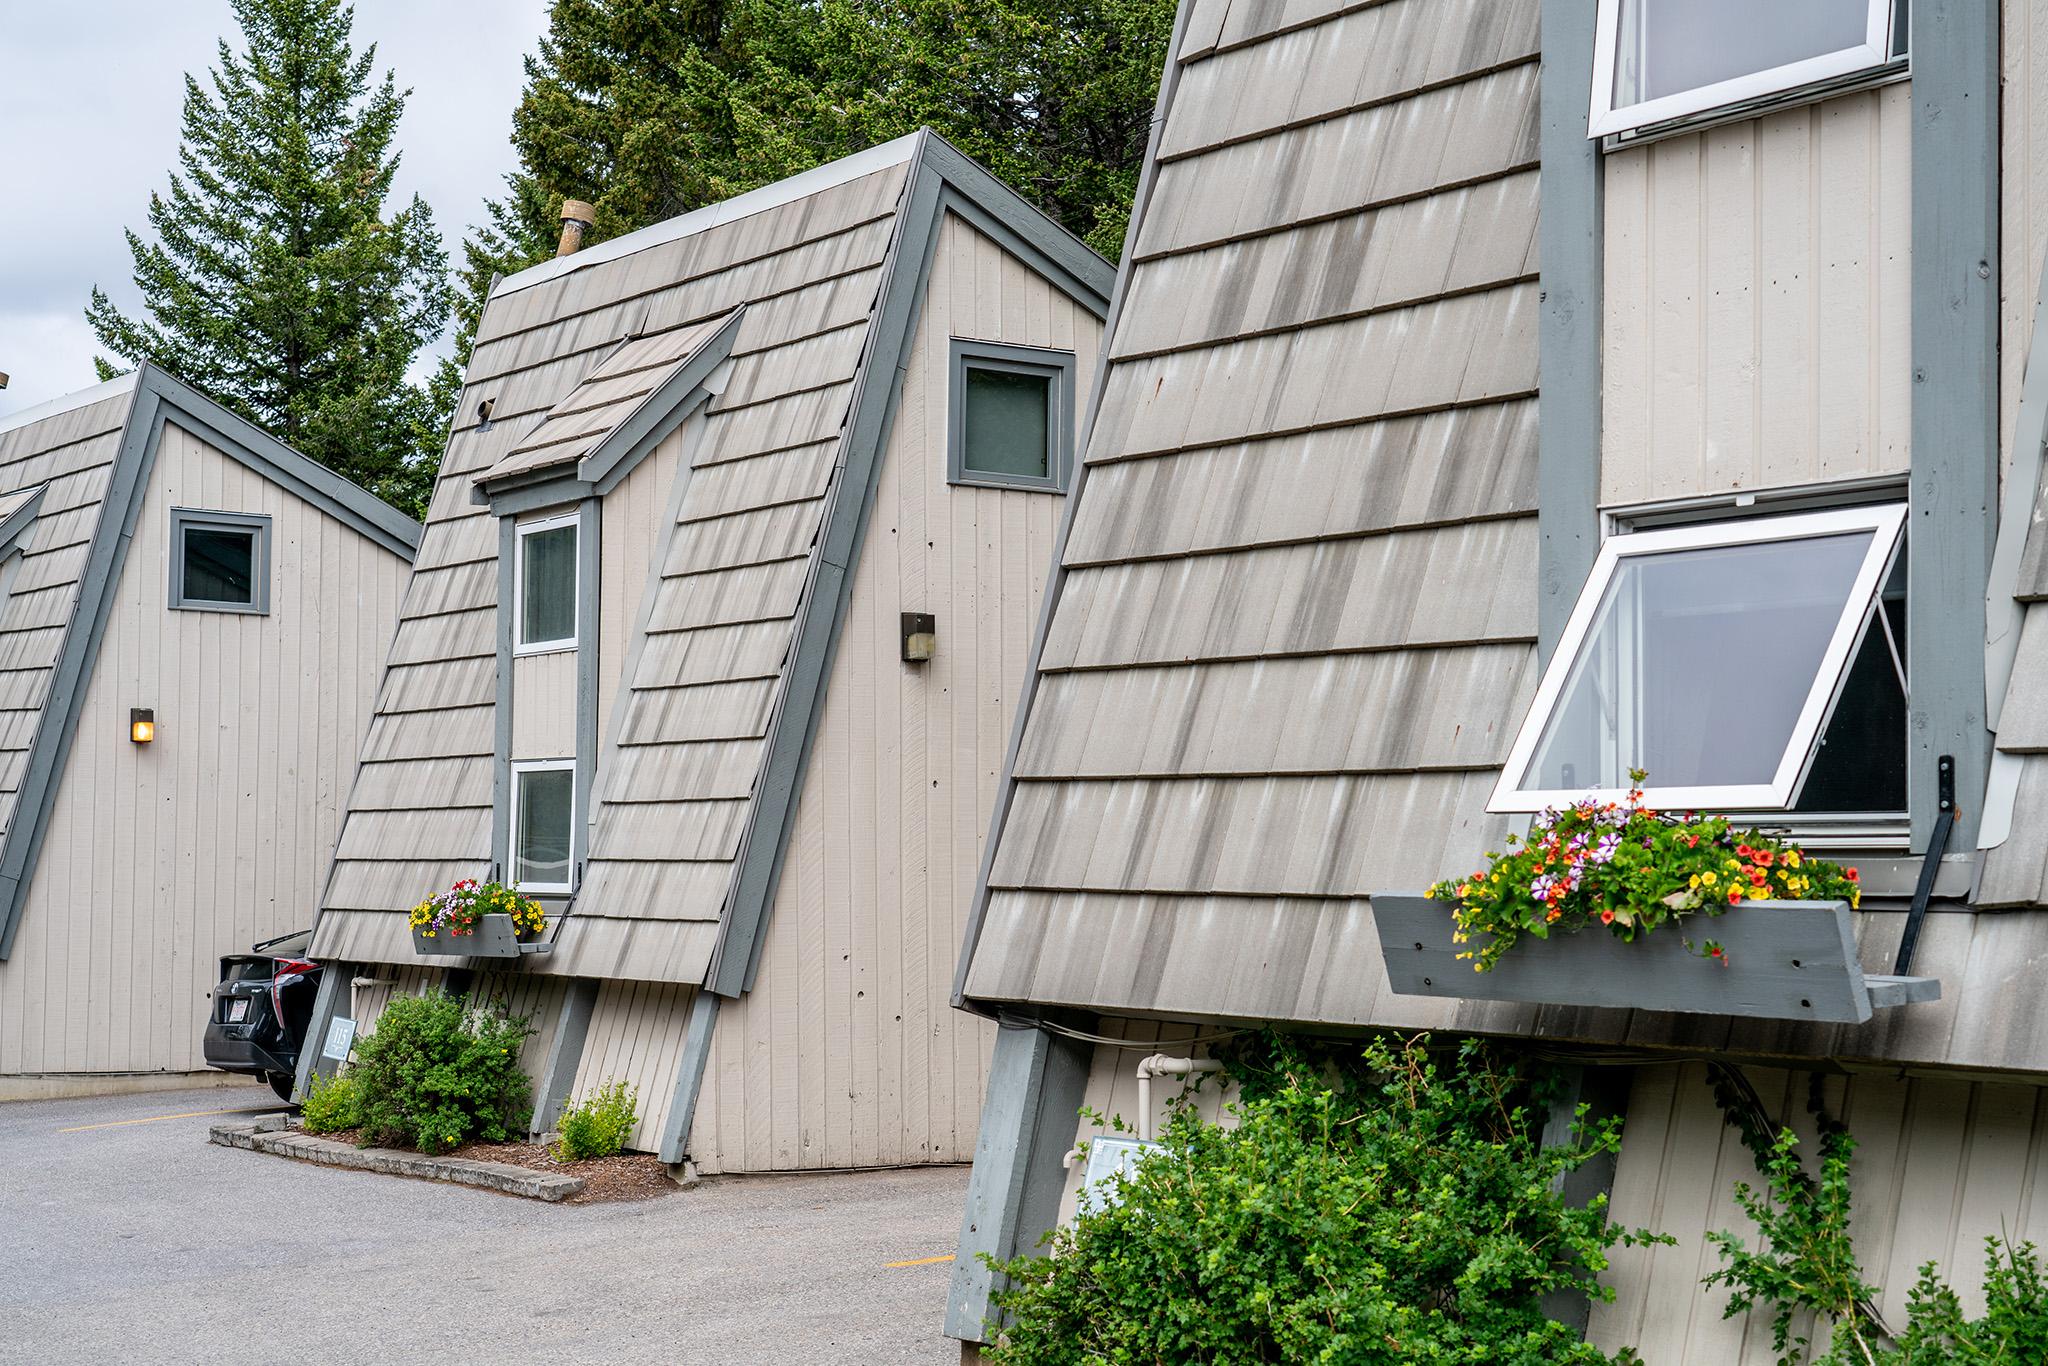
<point x="277" y="283"/>
<point x="650" y="108"/>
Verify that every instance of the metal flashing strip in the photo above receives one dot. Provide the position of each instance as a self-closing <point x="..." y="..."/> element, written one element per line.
<point x="2003" y="613"/>
<point x="1954" y="489"/>
<point x="1006" y="782"/>
<point x="801" y="186"/>
<point x="19" y="518"/>
<point x="65" y="403"/>
<point x="1570" y="261"/>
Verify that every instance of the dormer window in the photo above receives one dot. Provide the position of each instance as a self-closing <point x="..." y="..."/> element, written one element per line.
<point x="544" y="616"/>
<point x="1740" y="663"/>
<point x="220" y="561"/>
<point x="1656" y="61"/>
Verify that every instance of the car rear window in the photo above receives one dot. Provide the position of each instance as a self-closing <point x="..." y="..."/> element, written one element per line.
<point x="251" y="970"/>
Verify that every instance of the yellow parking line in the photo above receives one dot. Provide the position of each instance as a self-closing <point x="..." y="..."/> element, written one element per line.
<point x="920" y="1261"/>
<point x="188" y="1114"/>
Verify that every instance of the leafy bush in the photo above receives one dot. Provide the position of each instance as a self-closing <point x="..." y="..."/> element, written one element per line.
<point x="440" y="1070"/>
<point x="1407" y="1215"/>
<point x="597" y="1125"/>
<point x="332" y="1104"/>
<point x="1805" y="1263"/>
<point x="1630" y="869"/>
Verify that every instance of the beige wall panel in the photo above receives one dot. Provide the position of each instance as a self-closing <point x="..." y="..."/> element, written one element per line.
<point x="544" y="705"/>
<point x="636" y="1036"/>
<point x="1757" y="321"/>
<point x="1113" y="1087"/>
<point x="1940" y="1164"/>
<point x="634" y="515"/>
<point x="160" y="858"/>
<point x="846" y="1053"/>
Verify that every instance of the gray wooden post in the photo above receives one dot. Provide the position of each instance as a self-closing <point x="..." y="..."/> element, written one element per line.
<point x="333" y="999"/>
<point x="1036" y="1084"/>
<point x="565" y="1052"/>
<point x="1604" y="1092"/>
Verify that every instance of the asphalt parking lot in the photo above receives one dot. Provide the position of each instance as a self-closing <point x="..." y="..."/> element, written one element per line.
<point x="125" y="1236"/>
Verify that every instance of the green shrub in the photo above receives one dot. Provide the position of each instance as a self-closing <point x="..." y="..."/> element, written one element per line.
<point x="1408" y="1214"/>
<point x="440" y="1070"/>
<point x="597" y="1125"/>
<point x="332" y="1104"/>
<point x="1805" y="1266"/>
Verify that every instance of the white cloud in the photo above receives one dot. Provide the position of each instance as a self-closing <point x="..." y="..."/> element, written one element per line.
<point x="90" y="101"/>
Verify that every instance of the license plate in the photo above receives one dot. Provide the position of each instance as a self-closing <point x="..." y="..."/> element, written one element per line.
<point x="238" y="1010"/>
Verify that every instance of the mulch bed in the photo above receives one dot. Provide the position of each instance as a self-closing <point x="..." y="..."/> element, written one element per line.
<point x="629" y="1176"/>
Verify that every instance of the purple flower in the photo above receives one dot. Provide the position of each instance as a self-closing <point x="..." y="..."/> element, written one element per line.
<point x="1605" y="850"/>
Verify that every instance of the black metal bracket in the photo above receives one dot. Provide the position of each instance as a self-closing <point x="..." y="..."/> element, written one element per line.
<point x="1937" y="845"/>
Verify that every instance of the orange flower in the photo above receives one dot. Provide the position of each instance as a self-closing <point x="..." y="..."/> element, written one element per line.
<point x="1744" y="850"/>
<point x="1758" y="877"/>
<point x="1765" y="857"/>
<point x="1607" y="917"/>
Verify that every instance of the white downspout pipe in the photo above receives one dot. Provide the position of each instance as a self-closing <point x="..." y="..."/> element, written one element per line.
<point x="1159" y="1065"/>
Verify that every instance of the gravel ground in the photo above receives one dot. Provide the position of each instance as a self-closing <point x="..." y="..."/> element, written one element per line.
<point x="125" y="1236"/>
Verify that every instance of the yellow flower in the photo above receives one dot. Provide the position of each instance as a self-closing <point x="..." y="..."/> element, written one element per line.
<point x="1695" y="880"/>
<point x="1429" y="894"/>
<point x="1709" y="878"/>
<point x="1792" y="857"/>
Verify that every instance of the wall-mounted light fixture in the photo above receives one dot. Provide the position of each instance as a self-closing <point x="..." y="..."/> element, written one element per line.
<point x="141" y="725"/>
<point x="920" y="637"/>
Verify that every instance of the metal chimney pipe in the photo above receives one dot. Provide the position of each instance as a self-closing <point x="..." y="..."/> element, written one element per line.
<point x="577" y="219"/>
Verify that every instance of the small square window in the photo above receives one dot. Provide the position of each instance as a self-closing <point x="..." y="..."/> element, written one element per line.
<point x="545" y="613"/>
<point x="1659" y="60"/>
<point x="1012" y="416"/>
<point x="1713" y="656"/>
<point x="220" y="561"/>
<point x="543" y="823"/>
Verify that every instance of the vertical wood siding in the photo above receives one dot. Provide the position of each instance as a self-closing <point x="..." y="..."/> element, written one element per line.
<point x="1757" y="315"/>
<point x="1940" y="1164"/>
<point x="160" y="858"/>
<point x="634" y="515"/>
<point x="1113" y="1086"/>
<point x="846" y="1053"/>
<point x="544" y="705"/>
<point x="636" y="1035"/>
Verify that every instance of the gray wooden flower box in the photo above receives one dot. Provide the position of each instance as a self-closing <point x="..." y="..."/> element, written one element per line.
<point x="494" y="938"/>
<point x="1786" y="960"/>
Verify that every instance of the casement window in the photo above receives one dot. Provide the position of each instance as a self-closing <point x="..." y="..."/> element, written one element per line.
<point x="544" y="612"/>
<point x="1655" y="61"/>
<point x="1012" y="411"/>
<point x="1750" y="665"/>
<point x="543" y="824"/>
<point x="220" y="561"/>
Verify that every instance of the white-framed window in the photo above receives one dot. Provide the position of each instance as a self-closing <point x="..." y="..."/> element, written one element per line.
<point x="1659" y="60"/>
<point x="545" y="585"/>
<point x="1720" y="657"/>
<point x="543" y="824"/>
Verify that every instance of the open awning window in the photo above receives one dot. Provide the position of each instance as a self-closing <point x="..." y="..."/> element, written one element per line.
<point x="1712" y="656"/>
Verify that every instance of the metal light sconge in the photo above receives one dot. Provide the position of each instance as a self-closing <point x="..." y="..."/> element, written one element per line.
<point x="920" y="637"/>
<point x="141" y="725"/>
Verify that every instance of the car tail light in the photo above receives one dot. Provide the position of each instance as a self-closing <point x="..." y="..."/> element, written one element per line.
<point x="287" y="972"/>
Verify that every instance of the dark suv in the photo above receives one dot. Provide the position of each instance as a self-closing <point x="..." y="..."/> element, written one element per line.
<point x="261" y="1009"/>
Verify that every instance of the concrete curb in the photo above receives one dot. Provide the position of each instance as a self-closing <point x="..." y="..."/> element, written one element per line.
<point x="272" y="1134"/>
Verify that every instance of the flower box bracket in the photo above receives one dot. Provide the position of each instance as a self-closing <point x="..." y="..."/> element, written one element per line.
<point x="494" y="938"/>
<point x="1785" y="960"/>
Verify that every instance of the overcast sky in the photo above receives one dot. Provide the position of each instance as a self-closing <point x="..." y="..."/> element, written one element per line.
<point x="90" y="96"/>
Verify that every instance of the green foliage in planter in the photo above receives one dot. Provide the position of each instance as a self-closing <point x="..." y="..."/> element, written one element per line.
<point x="1404" y="1213"/>
<point x="332" y="1104"/>
<point x="1628" y="869"/>
<point x="440" y="1070"/>
<point x="1805" y="1268"/>
<point x="597" y="1125"/>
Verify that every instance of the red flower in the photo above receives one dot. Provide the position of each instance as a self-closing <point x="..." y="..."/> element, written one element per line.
<point x="1757" y="877"/>
<point x="1849" y="873"/>
<point x="1744" y="850"/>
<point x="1692" y="841"/>
<point x="1607" y="917"/>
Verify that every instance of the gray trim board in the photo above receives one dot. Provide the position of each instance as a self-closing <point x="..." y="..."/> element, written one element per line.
<point x="328" y="1003"/>
<point x="1002" y="213"/>
<point x="257" y="524"/>
<point x="1604" y="1091"/>
<point x="249" y="444"/>
<point x="674" y="1143"/>
<point x="1057" y="367"/>
<point x="937" y="170"/>
<point x="1568" y="321"/>
<point x="2003" y="613"/>
<point x="501" y="717"/>
<point x="589" y="572"/>
<point x="1037" y="1082"/>
<point x="1954" y="489"/>
<point x="565" y="1054"/>
<point x="1056" y="580"/>
<point x="17" y="522"/>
